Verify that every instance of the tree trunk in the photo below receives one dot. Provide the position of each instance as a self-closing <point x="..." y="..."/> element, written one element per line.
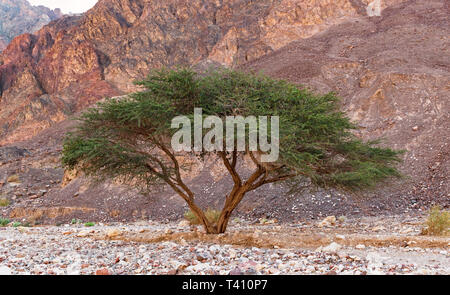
<point x="230" y="204"/>
<point x="223" y="220"/>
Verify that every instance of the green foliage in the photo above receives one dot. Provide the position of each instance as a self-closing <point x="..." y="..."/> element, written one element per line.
<point x="123" y="137"/>
<point x="4" y="202"/>
<point x="89" y="224"/>
<point x="75" y="221"/>
<point x="16" y="224"/>
<point x="4" y="221"/>
<point x="211" y="214"/>
<point x="438" y="222"/>
<point x="20" y="224"/>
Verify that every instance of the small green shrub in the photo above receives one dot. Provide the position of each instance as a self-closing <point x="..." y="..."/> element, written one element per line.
<point x="189" y="216"/>
<point x="4" y="221"/>
<point x="211" y="214"/>
<point x="75" y="221"/>
<point x="20" y="224"/>
<point x="89" y="224"/>
<point x="438" y="222"/>
<point x="16" y="224"/>
<point x="4" y="202"/>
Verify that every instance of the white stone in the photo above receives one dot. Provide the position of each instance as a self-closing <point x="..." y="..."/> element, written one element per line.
<point x="198" y="267"/>
<point x="374" y="8"/>
<point x="5" y="271"/>
<point x="183" y="223"/>
<point x="332" y="248"/>
<point x="83" y="233"/>
<point x="232" y="253"/>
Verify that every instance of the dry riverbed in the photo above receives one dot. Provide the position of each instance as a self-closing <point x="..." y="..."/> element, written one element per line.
<point x="363" y="246"/>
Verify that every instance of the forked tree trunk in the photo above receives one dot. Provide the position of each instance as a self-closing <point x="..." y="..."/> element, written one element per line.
<point x="230" y="204"/>
<point x="224" y="220"/>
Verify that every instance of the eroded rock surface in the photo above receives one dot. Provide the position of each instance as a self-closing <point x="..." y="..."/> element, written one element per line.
<point x="77" y="60"/>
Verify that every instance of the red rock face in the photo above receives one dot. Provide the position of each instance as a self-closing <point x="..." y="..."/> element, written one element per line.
<point x="75" y="61"/>
<point x="47" y="76"/>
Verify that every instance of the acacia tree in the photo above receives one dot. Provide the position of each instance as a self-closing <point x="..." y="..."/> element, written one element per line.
<point x="130" y="137"/>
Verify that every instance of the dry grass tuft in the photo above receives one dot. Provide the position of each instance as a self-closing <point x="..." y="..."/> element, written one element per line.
<point x="211" y="214"/>
<point x="14" y="178"/>
<point x="4" y="202"/>
<point x="438" y="222"/>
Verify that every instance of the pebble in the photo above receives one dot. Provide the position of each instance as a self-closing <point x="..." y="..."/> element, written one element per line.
<point x="331" y="248"/>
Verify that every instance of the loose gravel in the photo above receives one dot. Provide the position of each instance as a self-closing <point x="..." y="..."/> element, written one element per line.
<point x="71" y="249"/>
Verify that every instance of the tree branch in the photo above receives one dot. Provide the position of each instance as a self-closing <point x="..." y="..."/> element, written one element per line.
<point x="236" y="178"/>
<point x="233" y="163"/>
<point x="177" y="170"/>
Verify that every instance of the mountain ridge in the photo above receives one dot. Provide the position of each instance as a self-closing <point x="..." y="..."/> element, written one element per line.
<point x="77" y="60"/>
<point x="18" y="17"/>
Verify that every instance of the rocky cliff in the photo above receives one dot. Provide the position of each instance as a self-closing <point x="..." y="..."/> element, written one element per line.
<point x="18" y="17"/>
<point x="77" y="60"/>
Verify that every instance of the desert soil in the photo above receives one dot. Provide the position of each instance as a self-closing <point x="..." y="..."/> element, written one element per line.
<point x="375" y="245"/>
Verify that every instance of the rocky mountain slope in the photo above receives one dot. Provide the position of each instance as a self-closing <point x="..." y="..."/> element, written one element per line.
<point x="393" y="75"/>
<point x="392" y="72"/>
<point x="77" y="60"/>
<point x="18" y="17"/>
